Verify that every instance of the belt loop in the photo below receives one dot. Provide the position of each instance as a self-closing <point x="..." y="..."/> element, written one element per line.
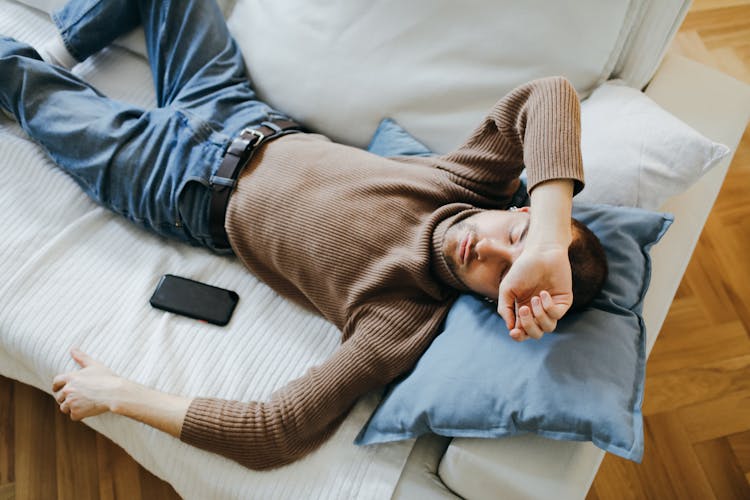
<point x="272" y="126"/>
<point x="222" y="181"/>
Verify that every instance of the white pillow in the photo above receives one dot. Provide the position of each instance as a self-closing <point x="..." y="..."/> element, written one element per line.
<point x="637" y="154"/>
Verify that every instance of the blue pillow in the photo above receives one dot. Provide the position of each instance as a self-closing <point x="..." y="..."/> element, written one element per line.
<point x="390" y="139"/>
<point x="583" y="383"/>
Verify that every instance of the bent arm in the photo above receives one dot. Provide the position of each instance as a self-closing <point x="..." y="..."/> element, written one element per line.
<point x="536" y="125"/>
<point x="552" y="205"/>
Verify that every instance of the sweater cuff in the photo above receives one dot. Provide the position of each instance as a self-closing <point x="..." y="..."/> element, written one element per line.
<point x="202" y="422"/>
<point x="553" y="136"/>
<point x="577" y="182"/>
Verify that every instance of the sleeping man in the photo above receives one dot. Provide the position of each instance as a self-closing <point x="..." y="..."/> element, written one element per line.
<point x="381" y="247"/>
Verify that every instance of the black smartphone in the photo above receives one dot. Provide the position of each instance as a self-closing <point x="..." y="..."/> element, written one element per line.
<point x="194" y="299"/>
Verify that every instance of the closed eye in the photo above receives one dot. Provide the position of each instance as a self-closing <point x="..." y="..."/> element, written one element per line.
<point x="525" y="230"/>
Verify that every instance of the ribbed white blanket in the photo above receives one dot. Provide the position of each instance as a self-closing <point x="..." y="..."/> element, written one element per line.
<point x="74" y="274"/>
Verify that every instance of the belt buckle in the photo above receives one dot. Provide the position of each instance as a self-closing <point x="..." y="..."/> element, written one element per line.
<point x="259" y="136"/>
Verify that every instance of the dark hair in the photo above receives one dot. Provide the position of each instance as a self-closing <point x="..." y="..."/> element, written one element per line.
<point x="588" y="264"/>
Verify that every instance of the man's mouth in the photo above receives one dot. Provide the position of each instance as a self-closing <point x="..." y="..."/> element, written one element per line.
<point x="464" y="250"/>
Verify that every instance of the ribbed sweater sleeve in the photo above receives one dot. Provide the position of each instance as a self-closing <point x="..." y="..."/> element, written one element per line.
<point x="386" y="340"/>
<point x="537" y="125"/>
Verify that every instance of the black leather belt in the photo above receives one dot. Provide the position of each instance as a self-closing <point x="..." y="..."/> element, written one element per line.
<point x="237" y="155"/>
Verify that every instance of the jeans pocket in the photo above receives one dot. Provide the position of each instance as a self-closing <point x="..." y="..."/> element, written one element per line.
<point x="192" y="202"/>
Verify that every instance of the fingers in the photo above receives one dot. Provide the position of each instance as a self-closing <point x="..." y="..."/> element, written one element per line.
<point x="535" y="320"/>
<point x="545" y="314"/>
<point x="82" y="358"/>
<point x="518" y="335"/>
<point x="506" y="308"/>
<point x="554" y="311"/>
<point x="59" y="381"/>
<point x="60" y="396"/>
<point x="66" y="400"/>
<point x="63" y="400"/>
<point x="63" y="389"/>
<point x="546" y="324"/>
<point x="67" y="407"/>
<point x="528" y="323"/>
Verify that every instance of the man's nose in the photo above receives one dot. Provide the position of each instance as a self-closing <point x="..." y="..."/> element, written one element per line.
<point x="489" y="248"/>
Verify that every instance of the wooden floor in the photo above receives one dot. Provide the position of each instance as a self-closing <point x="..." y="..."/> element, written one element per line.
<point x="43" y="455"/>
<point x="697" y="404"/>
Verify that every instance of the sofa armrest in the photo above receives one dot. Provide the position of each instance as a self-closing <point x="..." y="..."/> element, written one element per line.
<point x="419" y="478"/>
<point x="718" y="106"/>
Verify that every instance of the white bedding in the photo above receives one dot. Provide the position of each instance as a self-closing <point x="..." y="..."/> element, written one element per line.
<point x="76" y="275"/>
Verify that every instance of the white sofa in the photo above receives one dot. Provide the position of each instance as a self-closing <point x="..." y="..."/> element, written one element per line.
<point x="339" y="67"/>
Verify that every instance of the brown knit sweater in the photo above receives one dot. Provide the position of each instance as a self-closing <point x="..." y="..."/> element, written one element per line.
<point x="358" y="239"/>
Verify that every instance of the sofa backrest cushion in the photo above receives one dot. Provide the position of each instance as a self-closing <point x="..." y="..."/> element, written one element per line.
<point x="436" y="66"/>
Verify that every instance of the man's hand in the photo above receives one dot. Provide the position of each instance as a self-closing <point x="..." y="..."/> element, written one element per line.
<point x="543" y="266"/>
<point x="95" y="389"/>
<point x="536" y="292"/>
<point x="87" y="392"/>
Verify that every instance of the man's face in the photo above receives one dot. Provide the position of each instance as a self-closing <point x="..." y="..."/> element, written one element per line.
<point x="480" y="249"/>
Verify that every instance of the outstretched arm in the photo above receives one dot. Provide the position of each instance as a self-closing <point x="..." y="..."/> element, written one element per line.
<point x="258" y="434"/>
<point x="383" y="340"/>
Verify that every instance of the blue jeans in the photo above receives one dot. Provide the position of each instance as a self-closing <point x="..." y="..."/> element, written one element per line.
<point x="150" y="165"/>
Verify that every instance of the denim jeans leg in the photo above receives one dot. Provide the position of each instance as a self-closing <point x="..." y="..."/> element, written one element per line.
<point x="204" y="98"/>
<point x="87" y="26"/>
<point x="189" y="49"/>
<point x="186" y="40"/>
<point x="199" y="71"/>
<point x="128" y="159"/>
<point x="196" y="64"/>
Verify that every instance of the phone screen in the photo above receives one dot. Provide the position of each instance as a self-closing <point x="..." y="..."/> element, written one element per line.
<point x="194" y="299"/>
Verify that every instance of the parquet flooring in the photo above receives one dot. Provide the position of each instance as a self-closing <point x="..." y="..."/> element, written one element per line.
<point x="697" y="404"/>
<point x="44" y="455"/>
